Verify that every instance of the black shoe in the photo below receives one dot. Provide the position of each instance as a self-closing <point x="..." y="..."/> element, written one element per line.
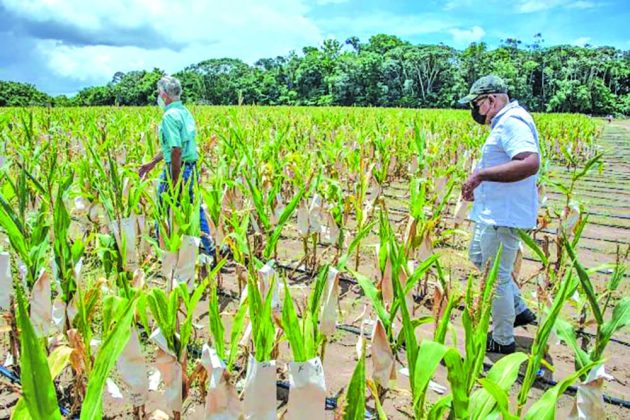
<point x="494" y="347"/>
<point x="525" y="318"/>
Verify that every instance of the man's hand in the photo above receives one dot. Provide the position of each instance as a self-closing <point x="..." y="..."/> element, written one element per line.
<point x="145" y="169"/>
<point x="469" y="186"/>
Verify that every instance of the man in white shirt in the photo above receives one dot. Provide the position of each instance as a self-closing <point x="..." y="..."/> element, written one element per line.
<point x="503" y="188"/>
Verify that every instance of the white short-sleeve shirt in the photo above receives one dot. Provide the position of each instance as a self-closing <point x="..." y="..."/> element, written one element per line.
<point x="509" y="204"/>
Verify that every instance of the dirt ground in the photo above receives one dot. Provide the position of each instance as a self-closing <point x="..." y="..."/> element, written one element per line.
<point x="610" y="228"/>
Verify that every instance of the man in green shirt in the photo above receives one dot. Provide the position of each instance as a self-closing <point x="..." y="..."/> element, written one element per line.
<point x="178" y="150"/>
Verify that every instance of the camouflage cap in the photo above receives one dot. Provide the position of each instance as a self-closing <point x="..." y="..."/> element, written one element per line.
<point x="487" y="84"/>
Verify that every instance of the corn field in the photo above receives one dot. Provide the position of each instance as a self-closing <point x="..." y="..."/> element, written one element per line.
<point x="347" y="293"/>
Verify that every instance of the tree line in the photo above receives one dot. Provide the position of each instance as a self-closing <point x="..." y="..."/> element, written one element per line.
<point x="385" y="71"/>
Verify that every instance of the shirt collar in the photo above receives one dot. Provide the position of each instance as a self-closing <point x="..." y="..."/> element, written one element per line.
<point x="174" y="104"/>
<point x="502" y="112"/>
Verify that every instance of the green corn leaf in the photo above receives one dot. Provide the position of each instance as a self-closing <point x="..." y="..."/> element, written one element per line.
<point x="372" y="293"/>
<point x="107" y="356"/>
<point x="620" y="318"/>
<point x="235" y="334"/>
<point x="458" y="378"/>
<point x="419" y="273"/>
<point x="38" y="390"/>
<point x="501" y="398"/>
<point x="438" y="410"/>
<point x="216" y="323"/>
<point x="529" y="241"/>
<point x="443" y="323"/>
<point x="545" y="407"/>
<point x="430" y="353"/>
<point x="291" y="327"/>
<point x="502" y="375"/>
<point x="282" y="221"/>
<point x="544" y="330"/>
<point x="355" y="395"/>
<point x="566" y="333"/>
<point x="377" y="401"/>
<point x="360" y="235"/>
<point x="586" y="283"/>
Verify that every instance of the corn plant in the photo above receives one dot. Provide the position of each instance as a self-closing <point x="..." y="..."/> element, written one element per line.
<point x="217" y="328"/>
<point x="303" y="334"/>
<point x="605" y="328"/>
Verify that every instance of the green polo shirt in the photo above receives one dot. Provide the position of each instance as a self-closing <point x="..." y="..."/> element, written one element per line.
<point x="177" y="129"/>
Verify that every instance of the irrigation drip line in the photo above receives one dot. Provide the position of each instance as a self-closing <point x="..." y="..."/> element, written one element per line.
<point x="487" y="366"/>
<point x="614" y="241"/>
<point x="417" y="298"/>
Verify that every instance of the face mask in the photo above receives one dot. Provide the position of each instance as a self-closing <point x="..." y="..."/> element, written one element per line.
<point x="160" y="102"/>
<point x="479" y="119"/>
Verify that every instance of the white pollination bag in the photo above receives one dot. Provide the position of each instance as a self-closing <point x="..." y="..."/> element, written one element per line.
<point x="260" y="390"/>
<point x="132" y="369"/>
<point x="383" y="360"/>
<point x="307" y="392"/>
<point x="328" y="316"/>
<point x="179" y="266"/>
<point x="41" y="305"/>
<point x="126" y="234"/>
<point x="6" y="283"/>
<point x="170" y="372"/>
<point x="222" y="402"/>
<point x="589" y="400"/>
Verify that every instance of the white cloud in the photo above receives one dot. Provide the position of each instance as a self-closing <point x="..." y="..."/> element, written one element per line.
<point x="581" y="41"/>
<point x="531" y="6"/>
<point x="247" y="29"/>
<point x="466" y="36"/>
<point x="327" y="2"/>
<point x="456" y="4"/>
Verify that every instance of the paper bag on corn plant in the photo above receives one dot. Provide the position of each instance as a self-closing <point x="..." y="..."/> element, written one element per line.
<point x="461" y="210"/>
<point x="425" y="250"/>
<point x="385" y="284"/>
<point x="329" y="229"/>
<point x="383" y="360"/>
<point x="170" y="372"/>
<point x="260" y="390"/>
<point x="589" y="401"/>
<point x="307" y="390"/>
<point x="126" y="234"/>
<point x="265" y="276"/>
<point x="186" y="260"/>
<point x="132" y="369"/>
<point x="328" y="316"/>
<point x="278" y="208"/>
<point x="179" y="266"/>
<point x="309" y="218"/>
<point x="222" y="402"/>
<point x="41" y="305"/>
<point x="144" y="246"/>
<point x="6" y="283"/>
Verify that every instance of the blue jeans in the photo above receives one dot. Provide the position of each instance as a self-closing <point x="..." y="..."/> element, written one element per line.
<point x="507" y="302"/>
<point x="188" y="170"/>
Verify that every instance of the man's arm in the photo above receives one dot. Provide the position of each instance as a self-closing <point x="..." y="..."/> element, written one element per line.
<point x="147" y="167"/>
<point x="522" y="165"/>
<point x="176" y="164"/>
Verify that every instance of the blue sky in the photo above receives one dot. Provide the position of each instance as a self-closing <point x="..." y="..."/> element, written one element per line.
<point x="64" y="45"/>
